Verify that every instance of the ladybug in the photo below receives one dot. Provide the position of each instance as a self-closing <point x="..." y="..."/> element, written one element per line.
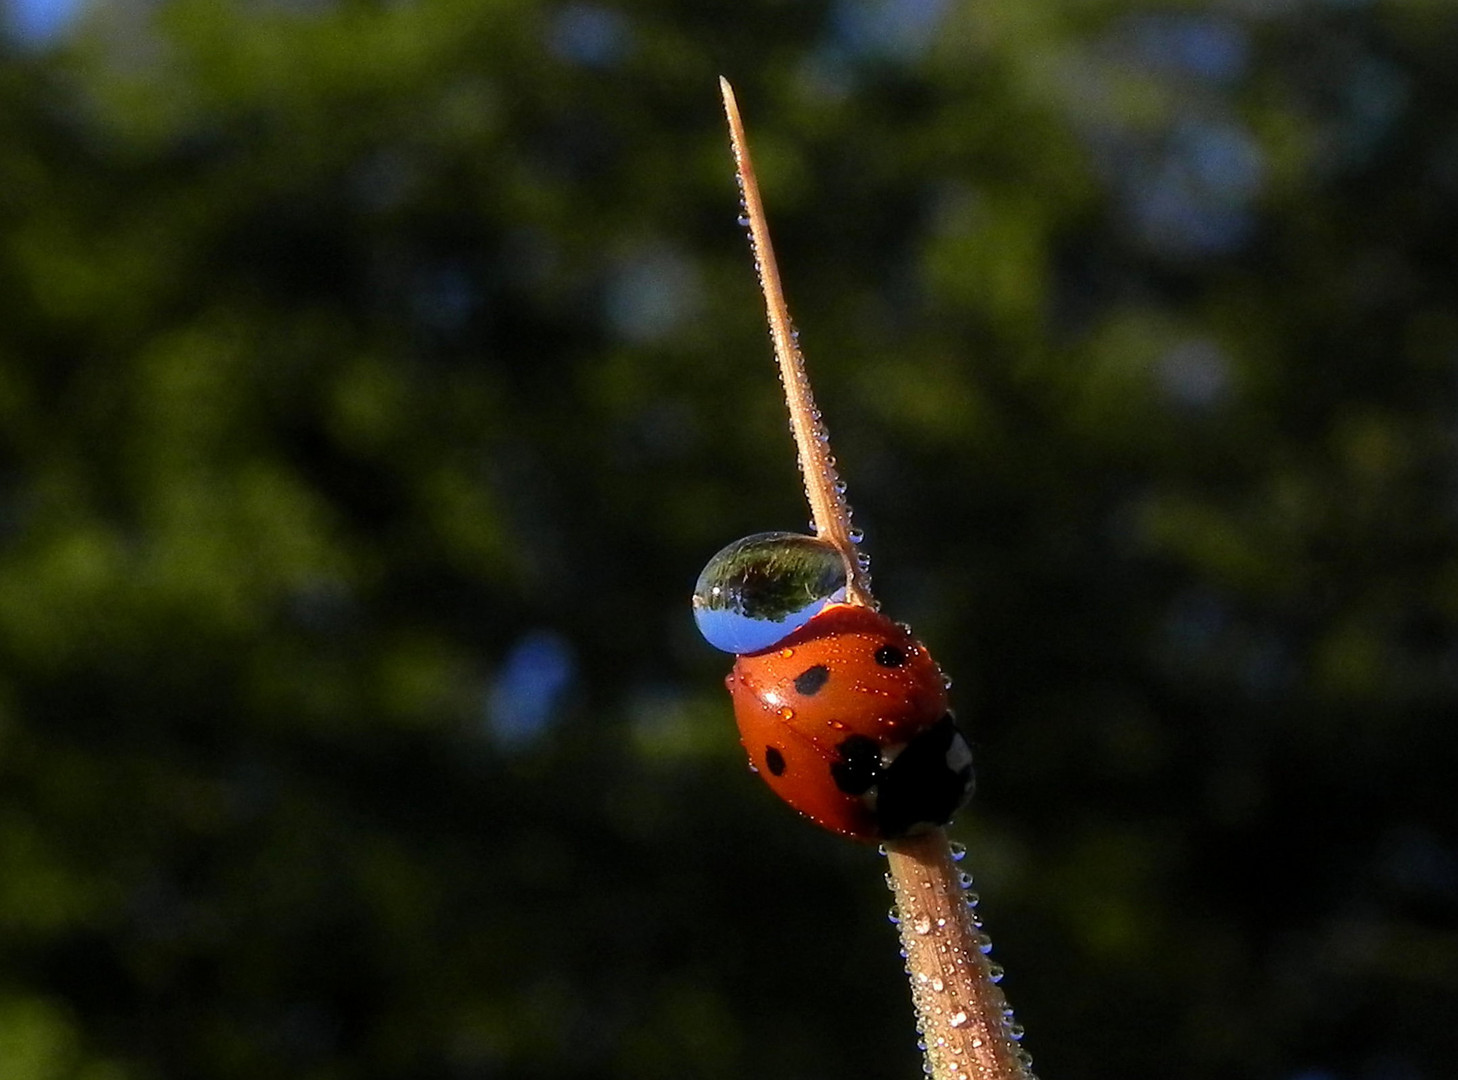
<point x="847" y="720"/>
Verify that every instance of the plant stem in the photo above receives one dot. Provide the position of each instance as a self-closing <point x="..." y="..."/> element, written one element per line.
<point x="823" y="488"/>
<point x="961" y="1013"/>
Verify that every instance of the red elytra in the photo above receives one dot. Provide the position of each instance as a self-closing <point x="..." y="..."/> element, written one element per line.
<point x="847" y="720"/>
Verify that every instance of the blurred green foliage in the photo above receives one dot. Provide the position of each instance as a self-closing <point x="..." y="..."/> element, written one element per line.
<point x="376" y="377"/>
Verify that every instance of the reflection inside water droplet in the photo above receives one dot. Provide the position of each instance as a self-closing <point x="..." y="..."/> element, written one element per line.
<point x="760" y="589"/>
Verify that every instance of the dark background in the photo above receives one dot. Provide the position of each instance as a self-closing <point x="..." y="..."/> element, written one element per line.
<point x="375" y="378"/>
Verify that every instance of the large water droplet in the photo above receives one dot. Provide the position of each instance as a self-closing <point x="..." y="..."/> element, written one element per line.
<point x="759" y="590"/>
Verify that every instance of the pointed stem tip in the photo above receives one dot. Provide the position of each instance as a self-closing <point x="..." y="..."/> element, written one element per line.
<point x="823" y="488"/>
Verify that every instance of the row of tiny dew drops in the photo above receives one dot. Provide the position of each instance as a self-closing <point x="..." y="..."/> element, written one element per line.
<point x="758" y="590"/>
<point x="995" y="972"/>
<point x="796" y="385"/>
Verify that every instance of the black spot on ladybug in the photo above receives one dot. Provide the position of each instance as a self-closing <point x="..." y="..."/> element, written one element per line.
<point x="859" y="766"/>
<point x="930" y="780"/>
<point x="774" y="760"/>
<point x="890" y="656"/>
<point x="809" y="681"/>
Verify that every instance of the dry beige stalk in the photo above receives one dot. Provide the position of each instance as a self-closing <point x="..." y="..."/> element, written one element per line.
<point x="962" y="1016"/>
